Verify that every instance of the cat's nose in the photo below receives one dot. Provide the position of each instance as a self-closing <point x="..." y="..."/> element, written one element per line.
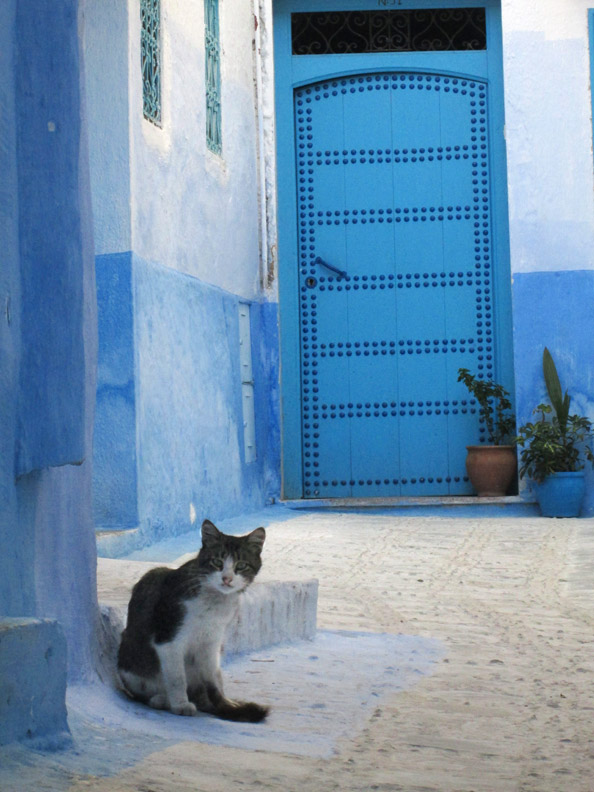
<point x="227" y="580"/>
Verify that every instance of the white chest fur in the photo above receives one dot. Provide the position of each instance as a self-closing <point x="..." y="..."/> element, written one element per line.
<point x="192" y="658"/>
<point x="206" y="620"/>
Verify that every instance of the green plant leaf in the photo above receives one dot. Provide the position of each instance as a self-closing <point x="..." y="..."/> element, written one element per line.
<point x="494" y="406"/>
<point x="552" y="382"/>
<point x="560" y="403"/>
<point x="563" y="413"/>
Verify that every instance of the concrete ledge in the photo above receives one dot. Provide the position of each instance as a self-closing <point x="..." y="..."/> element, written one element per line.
<point x="273" y="613"/>
<point x="269" y="613"/>
<point x="441" y="506"/>
<point x="32" y="679"/>
<point x="120" y="542"/>
<point x="115" y="544"/>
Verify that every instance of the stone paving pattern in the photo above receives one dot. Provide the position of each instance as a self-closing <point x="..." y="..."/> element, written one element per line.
<point x="512" y="705"/>
<point x="509" y="708"/>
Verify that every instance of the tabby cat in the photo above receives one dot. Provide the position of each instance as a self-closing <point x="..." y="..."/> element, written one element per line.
<point x="169" y="656"/>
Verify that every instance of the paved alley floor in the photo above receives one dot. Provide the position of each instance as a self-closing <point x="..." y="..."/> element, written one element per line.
<point x="507" y="705"/>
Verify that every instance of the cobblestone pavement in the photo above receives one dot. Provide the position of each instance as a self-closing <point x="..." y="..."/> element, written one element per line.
<point x="510" y="708"/>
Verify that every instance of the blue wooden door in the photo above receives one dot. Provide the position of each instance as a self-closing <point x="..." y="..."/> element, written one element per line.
<point x="396" y="279"/>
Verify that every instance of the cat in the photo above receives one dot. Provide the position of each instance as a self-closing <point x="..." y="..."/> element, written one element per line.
<point x="169" y="655"/>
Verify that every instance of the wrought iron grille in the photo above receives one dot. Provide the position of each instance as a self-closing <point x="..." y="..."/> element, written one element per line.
<point x="214" y="138"/>
<point x="150" y="59"/>
<point x="420" y="30"/>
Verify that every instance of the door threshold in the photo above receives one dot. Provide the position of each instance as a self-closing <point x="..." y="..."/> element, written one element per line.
<point x="515" y="503"/>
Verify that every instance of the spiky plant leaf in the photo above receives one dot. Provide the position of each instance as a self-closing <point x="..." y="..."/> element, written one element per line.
<point x="551" y="379"/>
<point x="559" y="401"/>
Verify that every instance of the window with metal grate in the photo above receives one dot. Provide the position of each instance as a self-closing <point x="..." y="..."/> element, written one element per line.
<point x="150" y="59"/>
<point x="419" y="30"/>
<point x="214" y="139"/>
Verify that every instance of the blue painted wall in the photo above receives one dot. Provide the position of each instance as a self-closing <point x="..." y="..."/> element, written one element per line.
<point x="58" y="321"/>
<point x="114" y="461"/>
<point x="266" y="363"/>
<point x="169" y="425"/>
<point x="51" y="399"/>
<point x="190" y="424"/>
<point x="177" y="246"/>
<point x="47" y="376"/>
<point x="16" y="558"/>
<point x="555" y="309"/>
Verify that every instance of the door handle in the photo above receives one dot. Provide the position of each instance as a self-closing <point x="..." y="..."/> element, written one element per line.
<point x="323" y="263"/>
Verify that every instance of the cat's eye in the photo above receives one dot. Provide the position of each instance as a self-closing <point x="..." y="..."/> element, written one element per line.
<point x="217" y="563"/>
<point x="242" y="566"/>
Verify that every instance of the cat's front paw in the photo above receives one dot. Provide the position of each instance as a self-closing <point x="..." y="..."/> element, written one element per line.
<point x="184" y="709"/>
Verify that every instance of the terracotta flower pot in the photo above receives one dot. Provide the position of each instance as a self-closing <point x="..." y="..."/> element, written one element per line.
<point x="491" y="468"/>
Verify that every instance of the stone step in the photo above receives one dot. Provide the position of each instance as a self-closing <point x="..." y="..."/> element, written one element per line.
<point x="429" y="506"/>
<point x="32" y="681"/>
<point x="271" y="612"/>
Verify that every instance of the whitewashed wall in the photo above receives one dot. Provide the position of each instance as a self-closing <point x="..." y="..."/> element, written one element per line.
<point x="159" y="191"/>
<point x="174" y="260"/>
<point x="205" y="220"/>
<point x="549" y="134"/>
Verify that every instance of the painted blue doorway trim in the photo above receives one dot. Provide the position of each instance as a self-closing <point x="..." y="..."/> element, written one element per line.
<point x="294" y="71"/>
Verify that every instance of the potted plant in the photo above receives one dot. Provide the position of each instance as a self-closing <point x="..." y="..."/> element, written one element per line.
<point x="554" y="450"/>
<point x="491" y="466"/>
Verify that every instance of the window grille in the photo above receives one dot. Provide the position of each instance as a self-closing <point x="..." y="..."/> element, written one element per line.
<point x="420" y="30"/>
<point x="150" y="59"/>
<point x="214" y="139"/>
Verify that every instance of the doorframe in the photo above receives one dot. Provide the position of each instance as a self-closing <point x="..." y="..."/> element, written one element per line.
<point x="291" y="72"/>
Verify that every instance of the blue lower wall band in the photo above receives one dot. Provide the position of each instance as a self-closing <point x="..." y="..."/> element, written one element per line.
<point x="169" y="423"/>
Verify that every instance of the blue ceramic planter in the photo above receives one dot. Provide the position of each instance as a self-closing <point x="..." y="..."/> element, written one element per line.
<point x="561" y="494"/>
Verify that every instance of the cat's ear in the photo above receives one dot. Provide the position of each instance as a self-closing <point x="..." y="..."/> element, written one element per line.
<point x="257" y="537"/>
<point x="210" y="533"/>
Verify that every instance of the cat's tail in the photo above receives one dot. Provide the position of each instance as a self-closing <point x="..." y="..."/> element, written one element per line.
<point x="211" y="699"/>
<point x="246" y="711"/>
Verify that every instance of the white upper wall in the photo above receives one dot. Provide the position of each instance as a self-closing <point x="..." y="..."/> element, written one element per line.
<point x="549" y="134"/>
<point x="193" y="211"/>
<point x="159" y="191"/>
<point x="106" y="76"/>
<point x="197" y="213"/>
